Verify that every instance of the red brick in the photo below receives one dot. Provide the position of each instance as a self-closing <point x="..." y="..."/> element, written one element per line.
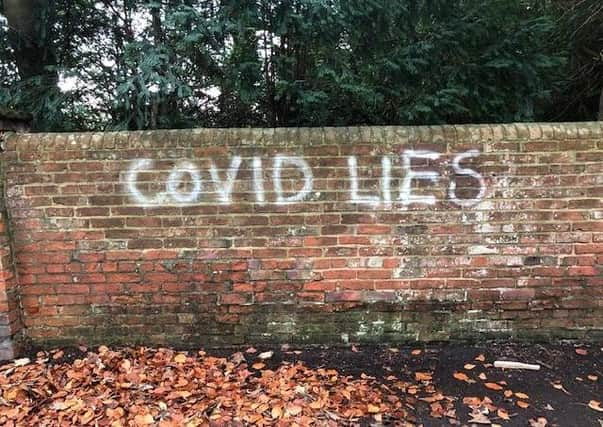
<point x="374" y="229"/>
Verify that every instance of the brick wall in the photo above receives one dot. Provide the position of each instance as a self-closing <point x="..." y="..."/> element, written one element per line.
<point x="10" y="317"/>
<point x="10" y="320"/>
<point x="309" y="235"/>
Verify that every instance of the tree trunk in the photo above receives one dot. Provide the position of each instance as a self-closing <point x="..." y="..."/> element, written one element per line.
<point x="601" y="106"/>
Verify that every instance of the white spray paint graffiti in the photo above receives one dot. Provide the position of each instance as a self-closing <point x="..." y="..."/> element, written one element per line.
<point x="132" y="183"/>
<point x="355" y="197"/>
<point x="184" y="185"/>
<point x="225" y="188"/>
<point x="305" y="169"/>
<point x="386" y="180"/>
<point x="258" y="181"/>
<point x="467" y="172"/>
<point x="176" y="179"/>
<point x="406" y="196"/>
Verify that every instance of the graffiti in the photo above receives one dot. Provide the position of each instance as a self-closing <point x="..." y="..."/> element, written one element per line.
<point x="185" y="185"/>
<point x="303" y="166"/>
<point x="225" y="188"/>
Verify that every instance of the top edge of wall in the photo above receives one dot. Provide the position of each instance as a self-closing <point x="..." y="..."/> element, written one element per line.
<point x="348" y="134"/>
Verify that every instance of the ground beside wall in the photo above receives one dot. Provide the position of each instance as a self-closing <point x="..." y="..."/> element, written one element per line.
<point x="309" y="235"/>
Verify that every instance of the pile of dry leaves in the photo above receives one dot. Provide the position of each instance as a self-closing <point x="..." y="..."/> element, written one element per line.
<point x="163" y="387"/>
<point x="141" y="387"/>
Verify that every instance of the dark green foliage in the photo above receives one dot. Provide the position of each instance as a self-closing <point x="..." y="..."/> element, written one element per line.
<point x="140" y="64"/>
<point x="580" y="30"/>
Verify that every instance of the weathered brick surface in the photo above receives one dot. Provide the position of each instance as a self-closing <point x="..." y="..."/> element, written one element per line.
<point x="10" y="316"/>
<point x="309" y="235"/>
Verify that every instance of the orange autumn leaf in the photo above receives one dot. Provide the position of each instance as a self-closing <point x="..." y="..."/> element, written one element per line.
<point x="522" y="404"/>
<point x="416" y="352"/>
<point x="276" y="412"/>
<point x="461" y="376"/>
<point x="503" y="414"/>
<point x="469" y="366"/>
<point x="293" y="409"/>
<point x="472" y="401"/>
<point x="481" y="358"/>
<point x="180" y="358"/>
<point x="258" y="366"/>
<point x="423" y="376"/>
<point x="143" y="420"/>
<point x="493" y="386"/>
<point x="317" y="404"/>
<point x="596" y="405"/>
<point x="522" y="396"/>
<point x="373" y="409"/>
<point x="508" y="393"/>
<point x="582" y="351"/>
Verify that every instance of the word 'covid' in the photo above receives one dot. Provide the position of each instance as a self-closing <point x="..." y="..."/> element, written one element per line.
<point x="223" y="186"/>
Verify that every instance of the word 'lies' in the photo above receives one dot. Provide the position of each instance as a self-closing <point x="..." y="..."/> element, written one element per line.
<point x="223" y="183"/>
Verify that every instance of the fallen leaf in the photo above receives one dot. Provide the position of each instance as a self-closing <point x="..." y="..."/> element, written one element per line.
<point x="354" y="349"/>
<point x="437" y="410"/>
<point x="266" y="355"/>
<point x="317" y="404"/>
<point x="493" y="386"/>
<point x="522" y="404"/>
<point x="596" y="405"/>
<point x="144" y="420"/>
<point x="293" y="409"/>
<point x="479" y="418"/>
<point x="251" y="350"/>
<point x="582" y="351"/>
<point x="373" y="409"/>
<point x="559" y="386"/>
<point x="481" y="358"/>
<point x="503" y="414"/>
<point x="522" y="396"/>
<point x="508" y="393"/>
<point x="593" y="377"/>
<point x="469" y="366"/>
<point x="482" y="376"/>
<point x="58" y="355"/>
<point x="180" y="358"/>
<point x="435" y="398"/>
<point x="416" y="352"/>
<point x="237" y="358"/>
<point x="423" y="376"/>
<point x="21" y="362"/>
<point x="461" y="376"/>
<point x="472" y="401"/>
<point x="258" y="366"/>
<point x="538" y="422"/>
<point x="126" y="365"/>
<point x="277" y="412"/>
